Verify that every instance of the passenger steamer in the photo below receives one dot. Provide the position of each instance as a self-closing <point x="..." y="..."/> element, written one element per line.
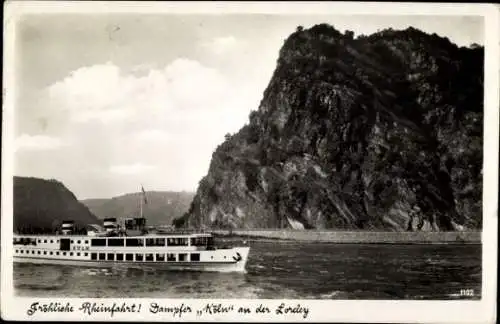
<point x="130" y="246"/>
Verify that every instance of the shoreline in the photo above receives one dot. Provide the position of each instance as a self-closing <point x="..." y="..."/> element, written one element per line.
<point x="356" y="237"/>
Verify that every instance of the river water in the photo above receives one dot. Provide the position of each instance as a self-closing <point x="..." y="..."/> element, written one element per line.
<point x="281" y="270"/>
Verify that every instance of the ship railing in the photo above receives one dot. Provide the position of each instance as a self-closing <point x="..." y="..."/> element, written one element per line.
<point x="181" y="231"/>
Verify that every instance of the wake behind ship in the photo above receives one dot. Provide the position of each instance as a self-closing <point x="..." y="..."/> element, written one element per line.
<point x="130" y="246"/>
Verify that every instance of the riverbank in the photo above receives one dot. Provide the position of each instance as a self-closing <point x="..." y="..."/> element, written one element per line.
<point x="350" y="237"/>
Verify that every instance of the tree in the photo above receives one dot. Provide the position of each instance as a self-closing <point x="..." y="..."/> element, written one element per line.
<point x="349" y="34"/>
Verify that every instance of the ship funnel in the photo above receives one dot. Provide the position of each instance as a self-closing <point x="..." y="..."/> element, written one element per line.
<point x="110" y="224"/>
<point x="67" y="227"/>
<point x="140" y="222"/>
<point x="129" y="223"/>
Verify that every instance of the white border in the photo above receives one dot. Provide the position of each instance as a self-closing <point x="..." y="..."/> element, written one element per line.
<point x="14" y="308"/>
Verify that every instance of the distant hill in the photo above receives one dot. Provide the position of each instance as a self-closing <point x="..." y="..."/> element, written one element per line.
<point x="43" y="204"/>
<point x="161" y="208"/>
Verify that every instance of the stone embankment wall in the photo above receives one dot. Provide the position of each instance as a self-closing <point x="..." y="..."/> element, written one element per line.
<point x="359" y="236"/>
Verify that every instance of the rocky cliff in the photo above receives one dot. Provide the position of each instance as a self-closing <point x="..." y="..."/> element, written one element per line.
<point x="41" y="205"/>
<point x="379" y="132"/>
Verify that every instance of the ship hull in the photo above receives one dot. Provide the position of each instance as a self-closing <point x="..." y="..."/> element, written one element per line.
<point x="229" y="266"/>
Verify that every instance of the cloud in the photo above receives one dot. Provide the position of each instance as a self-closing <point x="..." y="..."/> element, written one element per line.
<point x="105" y="116"/>
<point x="129" y="169"/>
<point x="106" y="94"/>
<point x="223" y="45"/>
<point x="153" y="135"/>
<point x="27" y="142"/>
<point x="171" y="117"/>
<point x="87" y="93"/>
<point x="192" y="85"/>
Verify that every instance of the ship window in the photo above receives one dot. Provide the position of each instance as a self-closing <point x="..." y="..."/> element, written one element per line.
<point x="72" y="241"/>
<point x="199" y="241"/>
<point x="111" y="256"/>
<point x="44" y="241"/>
<point x="93" y="256"/>
<point x="150" y="257"/>
<point x="70" y="253"/>
<point x="155" y="242"/>
<point x="57" y="241"/>
<point x="102" y="256"/>
<point x="138" y="257"/>
<point x="45" y="252"/>
<point x="129" y="257"/>
<point x="20" y="251"/>
<point x="160" y="257"/>
<point x="39" y="241"/>
<point x="135" y="242"/>
<point x="86" y="241"/>
<point x="177" y="241"/>
<point x="195" y="257"/>
<point x="64" y="253"/>
<point x="78" y="254"/>
<point x="182" y="256"/>
<point x="86" y="254"/>
<point x="17" y="251"/>
<point x="39" y="252"/>
<point x="98" y="242"/>
<point x="51" y="253"/>
<point x="171" y="257"/>
<point x="119" y="257"/>
<point x="115" y="242"/>
<point x="51" y="241"/>
<point x="32" y="252"/>
<point x="79" y="241"/>
<point x="57" y="253"/>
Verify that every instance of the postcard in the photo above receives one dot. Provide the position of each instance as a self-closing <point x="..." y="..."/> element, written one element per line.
<point x="250" y="161"/>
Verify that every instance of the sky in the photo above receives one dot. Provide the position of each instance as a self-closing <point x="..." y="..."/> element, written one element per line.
<point x="107" y="103"/>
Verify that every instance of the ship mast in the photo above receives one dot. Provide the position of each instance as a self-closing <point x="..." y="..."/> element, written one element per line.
<point x="143" y="200"/>
<point x="141" y="207"/>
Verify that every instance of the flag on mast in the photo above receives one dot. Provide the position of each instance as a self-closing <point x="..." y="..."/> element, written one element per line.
<point x="144" y="195"/>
